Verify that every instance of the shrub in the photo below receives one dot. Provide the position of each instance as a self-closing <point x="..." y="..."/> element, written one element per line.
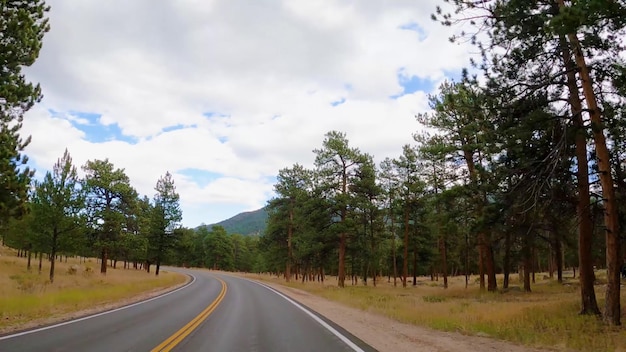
<point x="72" y="270"/>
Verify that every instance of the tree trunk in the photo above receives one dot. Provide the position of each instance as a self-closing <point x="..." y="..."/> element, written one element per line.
<point x="589" y="303"/>
<point x="405" y="262"/>
<point x="29" y="257"/>
<point x="486" y="262"/>
<point x="53" y="252"/>
<point x="467" y="250"/>
<point x="444" y="262"/>
<point x="507" y="259"/>
<point x="612" y="311"/>
<point x="289" y="249"/>
<point x="535" y="264"/>
<point x="158" y="267"/>
<point x="550" y="261"/>
<point x="527" y="269"/>
<point x="394" y="255"/>
<point x="40" y="261"/>
<point x="558" y="259"/>
<point x="415" y="266"/>
<point x="492" y="284"/>
<point x="341" y="275"/>
<point x="103" y="261"/>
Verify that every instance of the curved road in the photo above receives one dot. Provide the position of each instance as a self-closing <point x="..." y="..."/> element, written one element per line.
<point x="213" y="313"/>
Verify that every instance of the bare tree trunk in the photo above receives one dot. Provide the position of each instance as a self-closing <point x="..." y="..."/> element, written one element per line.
<point x="394" y="255"/>
<point x="527" y="270"/>
<point x="53" y="253"/>
<point x="28" y="264"/>
<point x="558" y="256"/>
<point x="551" y="261"/>
<point x="612" y="312"/>
<point x="103" y="261"/>
<point x="507" y="259"/>
<point x="486" y="264"/>
<point x="492" y="284"/>
<point x="405" y="262"/>
<point x="444" y="262"/>
<point x="589" y="303"/>
<point x="289" y="249"/>
<point x="341" y="275"/>
<point x="415" y="266"/>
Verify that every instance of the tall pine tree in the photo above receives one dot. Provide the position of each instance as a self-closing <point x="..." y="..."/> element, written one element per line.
<point x="22" y="27"/>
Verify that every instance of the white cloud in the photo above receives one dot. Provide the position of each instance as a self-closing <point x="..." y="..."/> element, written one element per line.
<point x="266" y="70"/>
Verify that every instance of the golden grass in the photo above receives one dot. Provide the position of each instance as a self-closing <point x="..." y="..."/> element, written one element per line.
<point x="547" y="317"/>
<point x="27" y="296"/>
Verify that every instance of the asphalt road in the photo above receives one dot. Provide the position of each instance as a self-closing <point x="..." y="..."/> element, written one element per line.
<point x="213" y="313"/>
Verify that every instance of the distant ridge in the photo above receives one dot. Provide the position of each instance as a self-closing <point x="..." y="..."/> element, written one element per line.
<point x="246" y="223"/>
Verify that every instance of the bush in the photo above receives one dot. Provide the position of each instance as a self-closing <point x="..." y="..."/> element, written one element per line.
<point x="72" y="270"/>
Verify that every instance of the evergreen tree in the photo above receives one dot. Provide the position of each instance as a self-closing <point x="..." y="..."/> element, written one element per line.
<point x="166" y="218"/>
<point x="109" y="194"/>
<point x="22" y="27"/>
<point x="336" y="162"/>
<point x="57" y="207"/>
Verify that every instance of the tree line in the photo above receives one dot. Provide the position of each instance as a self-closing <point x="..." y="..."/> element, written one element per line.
<point x="100" y="215"/>
<point x="519" y="165"/>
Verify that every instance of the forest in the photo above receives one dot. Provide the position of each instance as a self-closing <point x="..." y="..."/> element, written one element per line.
<point x="518" y="167"/>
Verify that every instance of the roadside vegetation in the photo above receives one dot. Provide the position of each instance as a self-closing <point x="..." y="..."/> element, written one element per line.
<point x="28" y="297"/>
<point x="546" y="318"/>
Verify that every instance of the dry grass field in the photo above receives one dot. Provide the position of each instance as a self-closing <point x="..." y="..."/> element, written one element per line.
<point x="547" y="317"/>
<point x="27" y="296"/>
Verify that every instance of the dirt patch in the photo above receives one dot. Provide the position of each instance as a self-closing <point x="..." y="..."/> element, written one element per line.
<point x="385" y="334"/>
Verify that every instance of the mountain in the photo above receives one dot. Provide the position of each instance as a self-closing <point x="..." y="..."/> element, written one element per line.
<point x="246" y="223"/>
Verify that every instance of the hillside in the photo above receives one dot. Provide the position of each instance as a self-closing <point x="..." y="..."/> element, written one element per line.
<point x="246" y="223"/>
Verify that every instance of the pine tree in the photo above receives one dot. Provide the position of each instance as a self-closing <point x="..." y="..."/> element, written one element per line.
<point x="22" y="27"/>
<point x="336" y="162"/>
<point x="57" y="204"/>
<point x="166" y="218"/>
<point x="109" y="194"/>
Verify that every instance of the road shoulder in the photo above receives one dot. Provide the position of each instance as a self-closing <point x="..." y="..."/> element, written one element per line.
<point x="385" y="334"/>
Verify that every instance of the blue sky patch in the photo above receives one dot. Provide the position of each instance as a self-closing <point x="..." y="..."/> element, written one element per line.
<point x="414" y="27"/>
<point x="338" y="102"/>
<point x="175" y="127"/>
<point x="200" y="177"/>
<point x="95" y="132"/>
<point x="412" y="84"/>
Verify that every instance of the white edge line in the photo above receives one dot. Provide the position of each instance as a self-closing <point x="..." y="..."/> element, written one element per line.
<point x="343" y="338"/>
<point x="6" y="337"/>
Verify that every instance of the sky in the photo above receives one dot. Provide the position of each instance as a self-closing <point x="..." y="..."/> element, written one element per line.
<point x="224" y="93"/>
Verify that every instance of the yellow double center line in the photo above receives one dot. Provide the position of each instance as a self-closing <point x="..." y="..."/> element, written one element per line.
<point x="179" y="335"/>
